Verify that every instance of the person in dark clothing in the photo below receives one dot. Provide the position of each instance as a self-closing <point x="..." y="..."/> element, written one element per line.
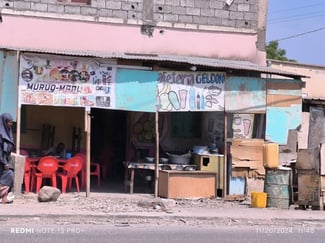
<point x="58" y="150"/>
<point x="6" y="147"/>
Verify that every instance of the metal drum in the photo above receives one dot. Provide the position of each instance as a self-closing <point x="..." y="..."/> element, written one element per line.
<point x="277" y="187"/>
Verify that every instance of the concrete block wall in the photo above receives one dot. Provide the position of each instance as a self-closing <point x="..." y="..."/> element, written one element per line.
<point x="241" y="15"/>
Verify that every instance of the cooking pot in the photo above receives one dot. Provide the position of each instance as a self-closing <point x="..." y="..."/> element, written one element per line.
<point x="153" y="160"/>
<point x="183" y="159"/>
<point x="188" y="168"/>
<point x="165" y="167"/>
<point x="150" y="159"/>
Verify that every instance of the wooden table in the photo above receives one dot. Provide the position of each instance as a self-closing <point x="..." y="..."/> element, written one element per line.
<point x="130" y="168"/>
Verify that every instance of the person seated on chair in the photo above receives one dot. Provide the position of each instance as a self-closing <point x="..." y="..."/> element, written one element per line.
<point x="58" y="150"/>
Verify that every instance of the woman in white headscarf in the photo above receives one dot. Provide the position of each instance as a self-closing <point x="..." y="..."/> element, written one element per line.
<point x="6" y="147"/>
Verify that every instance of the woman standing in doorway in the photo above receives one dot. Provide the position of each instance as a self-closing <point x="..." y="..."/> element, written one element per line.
<point x="6" y="147"/>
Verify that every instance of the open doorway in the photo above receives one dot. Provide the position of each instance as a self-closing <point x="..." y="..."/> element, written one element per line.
<point x="108" y="143"/>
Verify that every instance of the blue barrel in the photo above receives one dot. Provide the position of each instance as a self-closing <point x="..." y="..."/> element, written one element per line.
<point x="277" y="187"/>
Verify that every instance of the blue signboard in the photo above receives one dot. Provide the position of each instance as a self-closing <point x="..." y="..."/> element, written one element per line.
<point x="136" y="90"/>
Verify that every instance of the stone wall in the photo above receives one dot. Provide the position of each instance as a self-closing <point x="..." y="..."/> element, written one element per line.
<point x="240" y="15"/>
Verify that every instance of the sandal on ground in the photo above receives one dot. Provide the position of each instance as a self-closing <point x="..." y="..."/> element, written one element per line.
<point x="7" y="201"/>
<point x="10" y="197"/>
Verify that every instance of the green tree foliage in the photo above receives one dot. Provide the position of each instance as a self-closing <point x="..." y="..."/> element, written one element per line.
<point x="274" y="52"/>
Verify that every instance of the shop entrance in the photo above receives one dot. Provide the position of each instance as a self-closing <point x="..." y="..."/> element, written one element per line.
<point x="108" y="143"/>
<point x="108" y="138"/>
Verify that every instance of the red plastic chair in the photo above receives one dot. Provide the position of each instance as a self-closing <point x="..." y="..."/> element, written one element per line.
<point x="27" y="171"/>
<point x="105" y="158"/>
<point x="94" y="170"/>
<point x="27" y="175"/>
<point x="70" y="171"/>
<point x="46" y="168"/>
<point x="30" y="166"/>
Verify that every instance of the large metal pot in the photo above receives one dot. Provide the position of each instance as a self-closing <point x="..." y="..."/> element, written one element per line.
<point x="183" y="159"/>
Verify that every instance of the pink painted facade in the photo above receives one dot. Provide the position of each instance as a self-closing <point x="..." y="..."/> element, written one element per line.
<point x="55" y="35"/>
<point x="314" y="81"/>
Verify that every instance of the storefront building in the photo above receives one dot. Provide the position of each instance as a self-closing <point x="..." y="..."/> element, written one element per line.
<point x="201" y="72"/>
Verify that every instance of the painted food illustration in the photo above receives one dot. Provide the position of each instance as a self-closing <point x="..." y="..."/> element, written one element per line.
<point x="65" y="75"/>
<point x="84" y="76"/>
<point x="74" y="75"/>
<point x="27" y="75"/>
<point x="164" y="101"/>
<point x="212" y="96"/>
<point x="55" y="74"/>
<point x="87" y="101"/>
<point x="45" y="98"/>
<point x="173" y="99"/>
<point x="163" y="97"/>
<point x="168" y="98"/>
<point x="144" y="128"/>
<point x="29" y="98"/>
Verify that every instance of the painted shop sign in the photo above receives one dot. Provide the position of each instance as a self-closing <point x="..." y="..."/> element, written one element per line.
<point x="88" y="82"/>
<point x="191" y="91"/>
<point x="65" y="81"/>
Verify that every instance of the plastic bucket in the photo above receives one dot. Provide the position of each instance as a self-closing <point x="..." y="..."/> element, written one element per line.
<point x="271" y="155"/>
<point x="258" y="199"/>
<point x="277" y="187"/>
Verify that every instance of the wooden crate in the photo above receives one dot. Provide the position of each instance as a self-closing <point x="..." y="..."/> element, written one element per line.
<point x="186" y="184"/>
<point x="212" y="163"/>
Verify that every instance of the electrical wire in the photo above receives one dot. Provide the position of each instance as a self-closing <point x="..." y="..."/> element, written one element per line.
<point x="273" y="19"/>
<point x="301" y="34"/>
<point x="288" y="19"/>
<point x="297" y="8"/>
<point x="311" y="13"/>
<point x="294" y="17"/>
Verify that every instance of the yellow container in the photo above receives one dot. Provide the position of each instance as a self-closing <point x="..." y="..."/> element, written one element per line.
<point x="258" y="199"/>
<point x="271" y="155"/>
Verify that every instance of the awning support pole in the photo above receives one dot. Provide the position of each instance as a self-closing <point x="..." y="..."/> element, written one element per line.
<point x="88" y="130"/>
<point x="157" y="153"/>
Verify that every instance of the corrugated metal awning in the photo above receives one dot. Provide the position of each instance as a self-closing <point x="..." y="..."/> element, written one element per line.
<point x="198" y="61"/>
<point x="314" y="99"/>
<point x="210" y="62"/>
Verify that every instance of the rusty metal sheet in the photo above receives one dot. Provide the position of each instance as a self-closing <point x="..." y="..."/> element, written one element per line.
<point x="308" y="189"/>
<point x="308" y="159"/>
<point x="316" y="125"/>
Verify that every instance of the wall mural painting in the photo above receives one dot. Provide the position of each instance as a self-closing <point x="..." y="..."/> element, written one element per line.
<point x="191" y="91"/>
<point x="144" y="127"/>
<point x="65" y="81"/>
<point x="243" y="126"/>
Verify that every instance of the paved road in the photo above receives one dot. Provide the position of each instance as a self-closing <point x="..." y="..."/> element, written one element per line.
<point x="159" y="234"/>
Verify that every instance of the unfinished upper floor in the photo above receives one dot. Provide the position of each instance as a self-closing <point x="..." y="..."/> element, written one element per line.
<point x="222" y="29"/>
<point x="235" y="15"/>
